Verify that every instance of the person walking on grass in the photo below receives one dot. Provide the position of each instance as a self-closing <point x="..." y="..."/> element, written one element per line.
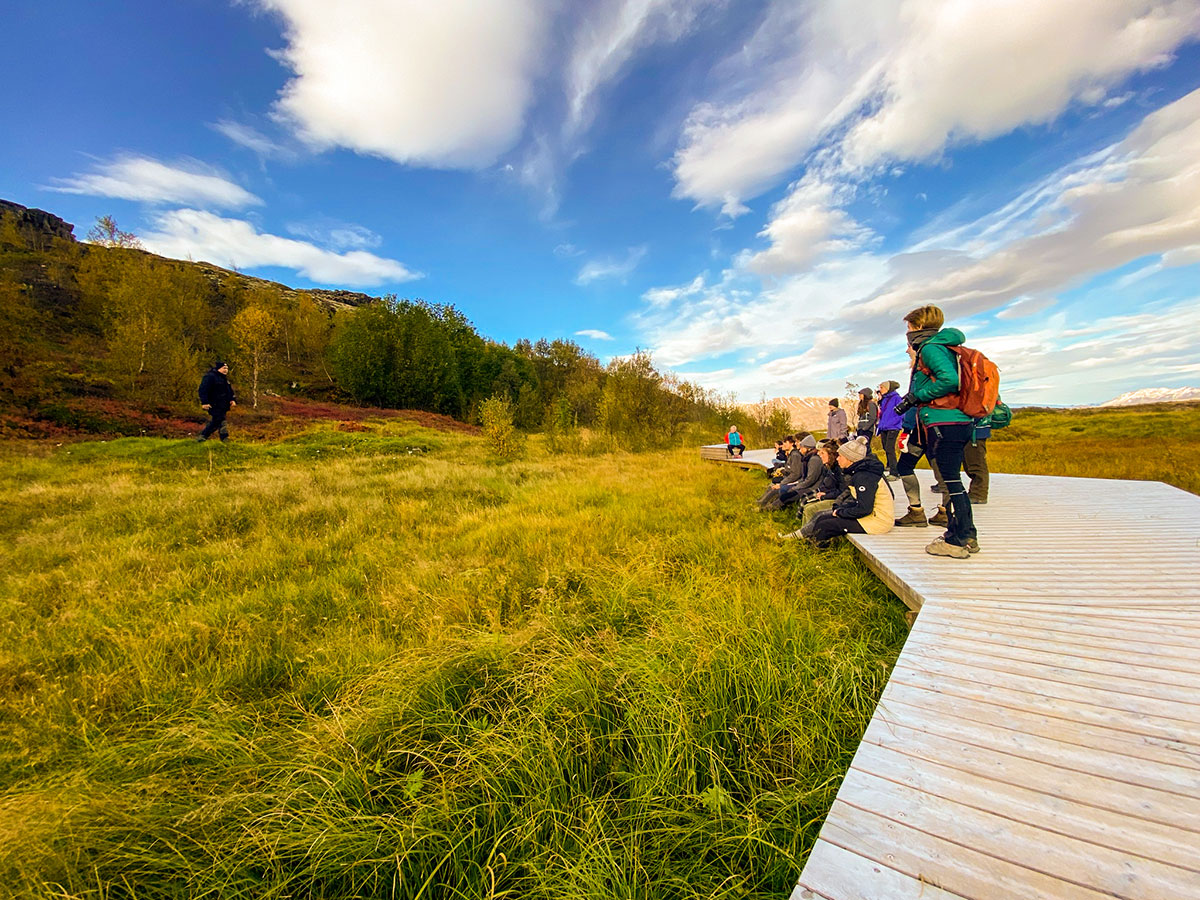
<point x="216" y="398"/>
<point x="943" y="429"/>
<point x="836" y="429"/>
<point x="868" y="415"/>
<point x="865" y="507"/>
<point x="888" y="427"/>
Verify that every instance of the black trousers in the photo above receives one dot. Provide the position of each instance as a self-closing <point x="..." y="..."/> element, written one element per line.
<point x="946" y="445"/>
<point x="216" y="422"/>
<point x="888" y="439"/>
<point x="826" y="526"/>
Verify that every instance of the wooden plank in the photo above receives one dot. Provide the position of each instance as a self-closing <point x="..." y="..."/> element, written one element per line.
<point x="1110" y="764"/>
<point x="1157" y="665"/>
<point x="1108" y="632"/>
<point x="1133" y="801"/>
<point x="938" y="860"/>
<point x="1064" y="670"/>
<point x="833" y="872"/>
<point x="1019" y="693"/>
<point x="1183" y="751"/>
<point x="1111" y="871"/>
<point x="1156" y="841"/>
<point x="1048" y="683"/>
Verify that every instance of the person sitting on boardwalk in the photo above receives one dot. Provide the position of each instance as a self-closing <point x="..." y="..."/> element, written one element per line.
<point x="945" y="430"/>
<point x="780" y="459"/>
<point x="828" y="489"/>
<point x="868" y="415"/>
<point x="802" y="473"/>
<point x="889" y="424"/>
<point x="733" y="442"/>
<point x="836" y="429"/>
<point x="865" y="507"/>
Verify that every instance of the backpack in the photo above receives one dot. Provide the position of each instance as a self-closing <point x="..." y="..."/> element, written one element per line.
<point x="978" y="384"/>
<point x="1001" y="416"/>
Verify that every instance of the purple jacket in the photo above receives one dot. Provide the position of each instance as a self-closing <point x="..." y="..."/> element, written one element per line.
<point x="889" y="420"/>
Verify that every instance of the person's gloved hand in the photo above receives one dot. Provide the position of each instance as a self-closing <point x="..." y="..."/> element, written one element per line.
<point x="907" y="402"/>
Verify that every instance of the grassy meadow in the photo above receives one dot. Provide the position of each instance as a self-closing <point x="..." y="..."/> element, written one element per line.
<point x="376" y="664"/>
<point x="1154" y="442"/>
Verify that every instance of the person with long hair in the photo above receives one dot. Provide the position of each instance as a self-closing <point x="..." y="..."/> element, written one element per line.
<point x="868" y="415"/>
<point x="943" y="429"/>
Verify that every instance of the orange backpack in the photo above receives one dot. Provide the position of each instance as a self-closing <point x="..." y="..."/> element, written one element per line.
<point x="978" y="384"/>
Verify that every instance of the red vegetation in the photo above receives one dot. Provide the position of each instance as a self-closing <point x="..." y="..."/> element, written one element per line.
<point x="276" y="417"/>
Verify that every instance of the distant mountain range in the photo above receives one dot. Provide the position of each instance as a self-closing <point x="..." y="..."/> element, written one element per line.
<point x="1155" y="395"/>
<point x="810" y="413"/>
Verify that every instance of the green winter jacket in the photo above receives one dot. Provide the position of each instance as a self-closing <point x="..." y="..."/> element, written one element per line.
<point x="943" y="378"/>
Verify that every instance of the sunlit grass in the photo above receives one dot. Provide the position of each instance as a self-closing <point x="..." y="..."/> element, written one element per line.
<point x="377" y="664"/>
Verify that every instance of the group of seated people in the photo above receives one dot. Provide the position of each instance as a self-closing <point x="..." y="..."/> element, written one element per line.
<point x="838" y="487"/>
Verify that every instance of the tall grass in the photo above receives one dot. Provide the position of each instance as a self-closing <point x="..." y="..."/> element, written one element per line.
<point x="1155" y="442"/>
<point x="378" y="665"/>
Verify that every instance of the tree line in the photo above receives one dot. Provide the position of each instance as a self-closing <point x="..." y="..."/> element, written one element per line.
<point x="142" y="328"/>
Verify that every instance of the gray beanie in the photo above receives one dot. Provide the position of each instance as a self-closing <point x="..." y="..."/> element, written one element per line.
<point x="855" y="450"/>
<point x="809" y="441"/>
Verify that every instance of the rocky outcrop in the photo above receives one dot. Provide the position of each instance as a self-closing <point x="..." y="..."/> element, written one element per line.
<point x="38" y="221"/>
<point x="224" y="278"/>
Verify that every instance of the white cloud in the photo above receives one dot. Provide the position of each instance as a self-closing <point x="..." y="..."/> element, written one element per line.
<point x="235" y="243"/>
<point x="595" y="334"/>
<point x="336" y="235"/>
<point x="805" y="226"/>
<point x="251" y="138"/>
<point x="147" y="180"/>
<point x="1137" y="200"/>
<point x="443" y="84"/>
<point x="662" y="296"/>
<point x="884" y="80"/>
<point x="610" y="268"/>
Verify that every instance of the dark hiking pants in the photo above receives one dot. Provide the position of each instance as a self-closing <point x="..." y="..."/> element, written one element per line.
<point x="888" y="439"/>
<point x="946" y="445"/>
<point x="826" y="526"/>
<point x="216" y="423"/>
<point x="976" y="465"/>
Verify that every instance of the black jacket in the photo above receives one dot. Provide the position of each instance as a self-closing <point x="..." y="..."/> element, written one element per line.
<point x="216" y="391"/>
<point x="863" y="480"/>
<point x="832" y="483"/>
<point x="803" y="470"/>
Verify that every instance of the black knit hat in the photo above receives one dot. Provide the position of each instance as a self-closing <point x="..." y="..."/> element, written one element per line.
<point x="219" y="364"/>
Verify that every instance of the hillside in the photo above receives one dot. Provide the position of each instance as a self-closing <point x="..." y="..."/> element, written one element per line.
<point x="106" y="338"/>
<point x="1155" y="395"/>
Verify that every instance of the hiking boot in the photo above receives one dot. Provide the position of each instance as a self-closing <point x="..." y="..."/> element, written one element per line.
<point x="914" y="516"/>
<point x="199" y="439"/>
<point x="972" y="545"/>
<point x="892" y="477"/>
<point x="939" y="518"/>
<point x="789" y="535"/>
<point x="941" y="548"/>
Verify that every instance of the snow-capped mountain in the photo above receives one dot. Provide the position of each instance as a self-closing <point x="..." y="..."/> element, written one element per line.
<point x="1155" y="395"/>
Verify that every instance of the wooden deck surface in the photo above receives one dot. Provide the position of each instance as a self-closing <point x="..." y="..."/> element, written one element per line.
<point x="1040" y="733"/>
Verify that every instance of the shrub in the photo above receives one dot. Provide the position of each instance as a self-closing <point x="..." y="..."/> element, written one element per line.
<point x="499" y="432"/>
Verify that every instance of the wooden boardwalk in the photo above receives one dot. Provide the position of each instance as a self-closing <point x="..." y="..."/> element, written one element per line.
<point x="1040" y="733"/>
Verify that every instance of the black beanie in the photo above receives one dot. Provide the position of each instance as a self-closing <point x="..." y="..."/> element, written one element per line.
<point x="219" y="364"/>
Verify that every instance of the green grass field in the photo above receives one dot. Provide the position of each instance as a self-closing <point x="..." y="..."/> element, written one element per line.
<point x="374" y="664"/>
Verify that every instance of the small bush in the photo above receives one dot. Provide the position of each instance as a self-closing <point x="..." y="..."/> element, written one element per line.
<point x="499" y="432"/>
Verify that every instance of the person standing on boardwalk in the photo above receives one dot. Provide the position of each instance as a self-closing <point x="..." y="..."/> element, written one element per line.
<point x="217" y="398"/>
<point x="975" y="462"/>
<point x="836" y="429"/>
<point x="889" y="424"/>
<point x="868" y="415"/>
<point x="944" y="430"/>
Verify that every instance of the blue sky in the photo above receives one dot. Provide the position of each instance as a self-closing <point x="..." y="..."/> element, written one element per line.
<point x="756" y="192"/>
